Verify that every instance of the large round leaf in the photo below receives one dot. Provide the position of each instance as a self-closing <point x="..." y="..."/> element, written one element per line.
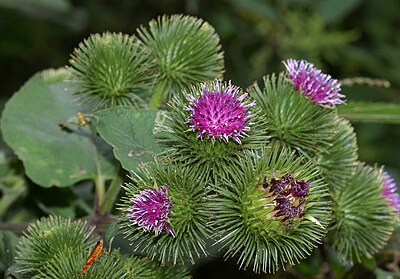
<point x="34" y="126"/>
<point x="131" y="132"/>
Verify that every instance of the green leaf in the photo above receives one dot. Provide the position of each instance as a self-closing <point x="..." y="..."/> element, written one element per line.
<point x="131" y="132"/>
<point x="8" y="241"/>
<point x="35" y="125"/>
<point x="371" y="112"/>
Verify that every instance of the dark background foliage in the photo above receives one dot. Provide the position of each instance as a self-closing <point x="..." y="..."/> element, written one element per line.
<point x="345" y="38"/>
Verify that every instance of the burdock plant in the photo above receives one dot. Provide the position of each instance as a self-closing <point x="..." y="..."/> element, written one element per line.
<point x="184" y="50"/>
<point x="163" y="213"/>
<point x="111" y="69"/>
<point x="389" y="192"/>
<point x="312" y="83"/>
<point x="56" y="247"/>
<point x="266" y="174"/>
<point x="169" y="55"/>
<point x="272" y="211"/>
<point x="365" y="213"/>
<point x="150" y="210"/>
<point x="292" y="120"/>
<point x="210" y="126"/>
<point x="298" y="122"/>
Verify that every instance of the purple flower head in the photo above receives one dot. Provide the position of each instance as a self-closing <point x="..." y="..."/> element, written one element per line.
<point x="289" y="196"/>
<point x="389" y="192"/>
<point x="280" y="185"/>
<point x="300" y="188"/>
<point x="285" y="208"/>
<point x="151" y="209"/>
<point x="219" y="113"/>
<point x="319" y="87"/>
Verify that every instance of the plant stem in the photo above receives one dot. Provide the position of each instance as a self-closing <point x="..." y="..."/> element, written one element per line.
<point x="99" y="181"/>
<point x="112" y="193"/>
<point x="157" y="96"/>
<point x="16" y="228"/>
<point x="100" y="189"/>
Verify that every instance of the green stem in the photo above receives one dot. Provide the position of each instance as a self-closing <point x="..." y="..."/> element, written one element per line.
<point x="99" y="181"/>
<point x="157" y="96"/>
<point x="100" y="188"/>
<point x="112" y="193"/>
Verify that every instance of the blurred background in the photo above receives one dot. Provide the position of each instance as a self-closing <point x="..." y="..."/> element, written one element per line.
<point x="345" y="38"/>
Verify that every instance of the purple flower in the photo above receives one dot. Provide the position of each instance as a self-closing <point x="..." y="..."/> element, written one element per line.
<point x="300" y="188"/>
<point x="389" y="192"/>
<point x="319" y="87"/>
<point x="151" y="209"/>
<point x="279" y="185"/>
<point x="285" y="208"/>
<point x="289" y="196"/>
<point x="219" y="113"/>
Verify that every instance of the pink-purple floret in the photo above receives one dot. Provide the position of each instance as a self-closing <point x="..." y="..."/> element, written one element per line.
<point x="321" y="88"/>
<point x="151" y="209"/>
<point x="219" y="113"/>
<point x="389" y="192"/>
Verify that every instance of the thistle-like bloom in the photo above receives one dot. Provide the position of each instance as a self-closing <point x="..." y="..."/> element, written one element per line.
<point x="151" y="209"/>
<point x="290" y="195"/>
<point x="271" y="221"/>
<point x="389" y="191"/>
<point x="219" y="113"/>
<point x="313" y="84"/>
